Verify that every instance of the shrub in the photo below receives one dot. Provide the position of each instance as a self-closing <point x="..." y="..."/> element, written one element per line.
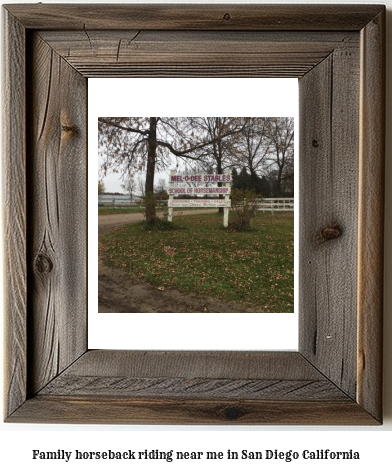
<point x="243" y="208"/>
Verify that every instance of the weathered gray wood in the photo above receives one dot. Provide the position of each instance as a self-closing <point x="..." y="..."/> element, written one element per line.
<point x="204" y="388"/>
<point x="193" y="71"/>
<point x="126" y="53"/>
<point x="371" y="216"/>
<point x="122" y="410"/>
<point x="85" y="42"/>
<point x="57" y="210"/>
<point x="207" y="364"/>
<point x="195" y="17"/>
<point x="14" y="209"/>
<point x="208" y="375"/>
<point x="329" y="98"/>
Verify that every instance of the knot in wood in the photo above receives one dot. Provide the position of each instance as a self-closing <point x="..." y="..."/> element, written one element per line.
<point x="43" y="264"/>
<point x="232" y="412"/>
<point x="328" y="233"/>
<point x="227" y="16"/>
<point x="68" y="128"/>
<point x="315" y="143"/>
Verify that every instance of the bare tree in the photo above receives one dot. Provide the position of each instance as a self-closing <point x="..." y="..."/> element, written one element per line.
<point x="130" y="144"/>
<point x="220" y="133"/>
<point x="161" y="187"/>
<point x="281" y="154"/>
<point x="253" y="148"/>
<point x="129" y="186"/>
<point x="141" y="186"/>
<point x="146" y="143"/>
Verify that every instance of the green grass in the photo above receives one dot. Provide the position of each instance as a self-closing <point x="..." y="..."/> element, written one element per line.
<point x="203" y="258"/>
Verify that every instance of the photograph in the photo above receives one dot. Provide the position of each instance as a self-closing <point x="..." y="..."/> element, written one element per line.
<point x="196" y="214"/>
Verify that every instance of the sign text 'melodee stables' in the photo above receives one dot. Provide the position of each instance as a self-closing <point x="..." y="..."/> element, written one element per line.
<point x="185" y="178"/>
<point x="189" y="184"/>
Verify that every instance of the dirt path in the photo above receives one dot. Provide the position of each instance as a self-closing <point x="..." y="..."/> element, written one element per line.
<point x="119" y="293"/>
<point x="107" y="222"/>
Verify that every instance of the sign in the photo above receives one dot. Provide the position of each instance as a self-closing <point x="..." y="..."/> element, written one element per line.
<point x="200" y="179"/>
<point x="200" y="203"/>
<point x="193" y="191"/>
<point x="200" y="185"/>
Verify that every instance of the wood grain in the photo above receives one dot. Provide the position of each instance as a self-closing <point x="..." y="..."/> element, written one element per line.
<point x="14" y="211"/>
<point x="201" y="387"/>
<point x="206" y="387"/>
<point x="207" y="364"/>
<point x="118" y="410"/>
<point x="195" y="17"/>
<point x="329" y="98"/>
<point x="167" y="53"/>
<point x="371" y="216"/>
<point x="57" y="215"/>
<point x="187" y="374"/>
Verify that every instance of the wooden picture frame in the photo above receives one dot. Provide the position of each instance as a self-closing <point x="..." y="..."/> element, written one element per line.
<point x="337" y="52"/>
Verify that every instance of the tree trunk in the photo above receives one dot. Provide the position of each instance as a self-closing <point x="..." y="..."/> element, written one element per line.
<point x="278" y="190"/>
<point x="151" y="159"/>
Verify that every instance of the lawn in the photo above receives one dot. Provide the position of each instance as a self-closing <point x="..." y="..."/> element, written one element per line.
<point x="201" y="257"/>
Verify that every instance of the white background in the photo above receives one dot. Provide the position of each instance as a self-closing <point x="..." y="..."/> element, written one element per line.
<point x="182" y="98"/>
<point x="17" y="441"/>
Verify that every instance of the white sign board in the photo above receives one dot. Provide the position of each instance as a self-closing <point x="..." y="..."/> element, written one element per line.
<point x="200" y="203"/>
<point x="194" y="185"/>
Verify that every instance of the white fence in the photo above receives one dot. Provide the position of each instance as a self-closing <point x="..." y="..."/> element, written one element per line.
<point x="276" y="204"/>
<point x="266" y="204"/>
<point x="123" y="202"/>
<point x="114" y="202"/>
